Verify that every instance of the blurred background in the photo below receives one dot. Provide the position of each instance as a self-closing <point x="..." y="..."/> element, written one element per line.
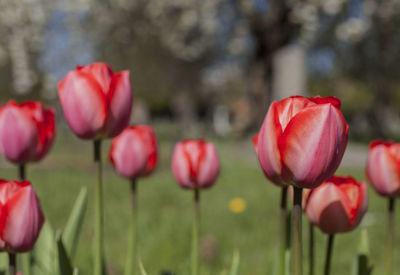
<point x="206" y="68"/>
<point x="215" y="63"/>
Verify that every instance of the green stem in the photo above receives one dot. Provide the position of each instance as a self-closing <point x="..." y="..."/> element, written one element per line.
<point x="328" y="258"/>
<point x="195" y="233"/>
<point x="283" y="230"/>
<point x="98" y="217"/>
<point x="12" y="264"/>
<point x="297" y="239"/>
<point x="390" y="237"/>
<point x="22" y="172"/>
<point x="311" y="249"/>
<point x="132" y="250"/>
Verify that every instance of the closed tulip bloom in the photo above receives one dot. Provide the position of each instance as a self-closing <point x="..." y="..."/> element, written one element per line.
<point x="338" y="205"/>
<point x="255" y="144"/>
<point x="134" y="152"/>
<point x="97" y="102"/>
<point x="383" y="167"/>
<point x="302" y="140"/>
<point x="21" y="217"/>
<point x="195" y="164"/>
<point x="27" y="131"/>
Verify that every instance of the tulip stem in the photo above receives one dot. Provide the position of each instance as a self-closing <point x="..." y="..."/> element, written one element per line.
<point x="328" y="258"/>
<point x="390" y="237"/>
<point x="12" y="263"/>
<point x="283" y="231"/>
<point x="195" y="233"/>
<point x="311" y="249"/>
<point x="297" y="238"/>
<point x="98" y="217"/>
<point x="132" y="250"/>
<point x="21" y="171"/>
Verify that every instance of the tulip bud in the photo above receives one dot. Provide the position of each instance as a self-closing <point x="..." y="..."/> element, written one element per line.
<point x="195" y="164"/>
<point x="27" y="131"/>
<point x="383" y="167"/>
<point x="302" y="140"/>
<point x="21" y="217"/>
<point x="134" y="152"/>
<point x="337" y="205"/>
<point x="96" y="101"/>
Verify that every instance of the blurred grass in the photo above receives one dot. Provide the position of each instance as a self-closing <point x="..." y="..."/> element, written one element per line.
<point x="165" y="211"/>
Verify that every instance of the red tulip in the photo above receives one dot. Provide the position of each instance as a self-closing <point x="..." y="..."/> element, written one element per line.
<point x="96" y="101"/>
<point x="255" y="144"/>
<point x="383" y="167"/>
<point x="338" y="205"/>
<point x="21" y="217"/>
<point x="302" y="140"/>
<point x="27" y="131"/>
<point x="195" y="164"/>
<point x="134" y="152"/>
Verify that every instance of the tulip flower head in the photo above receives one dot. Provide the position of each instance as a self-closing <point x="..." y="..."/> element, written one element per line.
<point x="96" y="102"/>
<point x="195" y="164"/>
<point x="27" y="131"/>
<point x="302" y="140"/>
<point x="134" y="152"/>
<point x="337" y="205"/>
<point x="21" y="217"/>
<point x="383" y="167"/>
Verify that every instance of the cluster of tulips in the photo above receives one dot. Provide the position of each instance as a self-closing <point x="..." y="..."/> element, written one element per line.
<point x="299" y="147"/>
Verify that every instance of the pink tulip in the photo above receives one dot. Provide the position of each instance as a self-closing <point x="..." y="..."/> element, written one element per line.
<point x="97" y="102"/>
<point x="255" y="144"/>
<point x="21" y="217"/>
<point x="195" y="164"/>
<point x="383" y="167"/>
<point x="302" y="140"/>
<point x="27" y="131"/>
<point x="134" y="152"/>
<point x="338" y="205"/>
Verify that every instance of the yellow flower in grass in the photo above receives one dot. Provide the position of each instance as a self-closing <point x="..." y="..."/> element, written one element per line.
<point x="237" y="205"/>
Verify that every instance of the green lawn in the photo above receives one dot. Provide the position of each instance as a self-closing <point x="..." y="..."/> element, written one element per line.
<point x="165" y="211"/>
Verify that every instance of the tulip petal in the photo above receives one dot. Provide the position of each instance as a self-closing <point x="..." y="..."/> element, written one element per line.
<point x="47" y="130"/>
<point x="209" y="169"/>
<point x="45" y="123"/>
<point x="329" y="99"/>
<point x="83" y="103"/>
<point x="120" y="104"/>
<point x="24" y="220"/>
<point x="18" y="134"/>
<point x="268" y="151"/>
<point x="383" y="170"/>
<point x="289" y="107"/>
<point x="100" y="72"/>
<point x="313" y="145"/>
<point x="180" y="167"/>
<point x="9" y="188"/>
<point x="324" y="208"/>
<point x="128" y="154"/>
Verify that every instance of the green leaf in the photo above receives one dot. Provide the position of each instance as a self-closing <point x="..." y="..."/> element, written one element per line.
<point x="44" y="253"/>
<point x="141" y="268"/>
<point x="63" y="259"/>
<point x="361" y="264"/>
<point x="76" y="271"/>
<point x="74" y="225"/>
<point x="235" y="262"/>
